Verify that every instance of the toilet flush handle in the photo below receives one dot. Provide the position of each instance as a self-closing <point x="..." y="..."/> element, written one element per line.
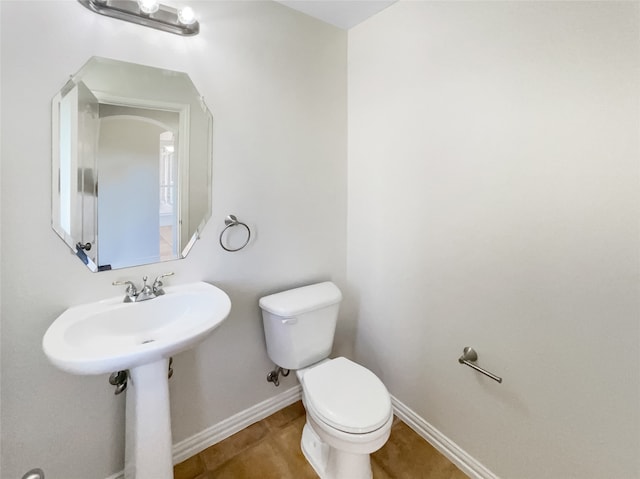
<point x="289" y="321"/>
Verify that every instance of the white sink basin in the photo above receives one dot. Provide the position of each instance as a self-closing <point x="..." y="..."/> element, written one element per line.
<point x="110" y="335"/>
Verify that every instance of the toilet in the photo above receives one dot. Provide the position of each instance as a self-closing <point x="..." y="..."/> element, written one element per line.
<point x="349" y="412"/>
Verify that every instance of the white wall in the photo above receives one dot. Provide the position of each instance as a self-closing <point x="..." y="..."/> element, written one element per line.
<point x="275" y="81"/>
<point x="129" y="191"/>
<point x="494" y="203"/>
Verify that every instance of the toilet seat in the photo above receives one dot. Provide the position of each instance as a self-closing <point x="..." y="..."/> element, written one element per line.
<point x="347" y="396"/>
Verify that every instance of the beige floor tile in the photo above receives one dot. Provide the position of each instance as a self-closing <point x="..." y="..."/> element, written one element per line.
<point x="378" y="471"/>
<point x="270" y="449"/>
<point x="206" y="475"/>
<point x="261" y="461"/>
<point x="407" y="456"/>
<point x="285" y="416"/>
<point x="189" y="469"/>
<point x="287" y="442"/>
<point x="219" y="453"/>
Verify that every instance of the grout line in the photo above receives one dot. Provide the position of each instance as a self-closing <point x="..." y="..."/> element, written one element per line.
<point x="270" y="437"/>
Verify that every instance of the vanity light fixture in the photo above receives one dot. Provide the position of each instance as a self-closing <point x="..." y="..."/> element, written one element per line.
<point x="150" y="13"/>
<point x="149" y="6"/>
<point x="186" y="16"/>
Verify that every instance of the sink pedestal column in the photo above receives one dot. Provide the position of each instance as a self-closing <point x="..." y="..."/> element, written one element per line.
<point x="148" y="452"/>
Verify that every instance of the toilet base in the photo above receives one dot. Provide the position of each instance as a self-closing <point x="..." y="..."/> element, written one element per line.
<point x="331" y="463"/>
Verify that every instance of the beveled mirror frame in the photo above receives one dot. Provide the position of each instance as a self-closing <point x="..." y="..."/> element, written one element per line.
<point x="76" y="204"/>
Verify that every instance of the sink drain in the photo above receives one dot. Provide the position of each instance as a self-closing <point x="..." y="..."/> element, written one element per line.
<point x="148" y="341"/>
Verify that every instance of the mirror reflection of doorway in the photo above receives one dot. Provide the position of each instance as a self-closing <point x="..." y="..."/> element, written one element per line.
<point x="138" y="201"/>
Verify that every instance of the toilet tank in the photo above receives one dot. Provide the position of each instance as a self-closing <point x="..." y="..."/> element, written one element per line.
<point x="299" y="324"/>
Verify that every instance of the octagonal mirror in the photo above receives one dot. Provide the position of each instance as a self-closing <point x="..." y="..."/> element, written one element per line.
<point x="131" y="164"/>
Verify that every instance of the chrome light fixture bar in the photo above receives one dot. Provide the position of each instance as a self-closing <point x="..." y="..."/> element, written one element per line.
<point x="147" y="13"/>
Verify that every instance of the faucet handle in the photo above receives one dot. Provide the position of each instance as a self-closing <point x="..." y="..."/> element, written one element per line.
<point x="131" y="288"/>
<point x="164" y="275"/>
<point x="157" y="283"/>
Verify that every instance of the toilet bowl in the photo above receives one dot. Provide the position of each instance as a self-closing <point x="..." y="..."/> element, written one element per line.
<point x="349" y="413"/>
<point x="349" y="416"/>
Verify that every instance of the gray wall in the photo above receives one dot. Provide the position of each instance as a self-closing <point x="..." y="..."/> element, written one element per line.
<point x="494" y="202"/>
<point x="275" y="81"/>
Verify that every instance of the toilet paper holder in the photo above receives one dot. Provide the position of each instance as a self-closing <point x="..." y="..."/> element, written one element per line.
<point x="469" y="356"/>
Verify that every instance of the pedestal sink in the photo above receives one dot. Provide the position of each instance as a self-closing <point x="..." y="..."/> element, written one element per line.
<point x="110" y="335"/>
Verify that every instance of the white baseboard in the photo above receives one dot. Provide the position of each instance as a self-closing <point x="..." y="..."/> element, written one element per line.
<point x="467" y="464"/>
<point x="216" y="433"/>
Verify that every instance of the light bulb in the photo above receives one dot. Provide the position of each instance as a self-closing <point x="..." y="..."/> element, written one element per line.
<point x="149" y="6"/>
<point x="186" y="16"/>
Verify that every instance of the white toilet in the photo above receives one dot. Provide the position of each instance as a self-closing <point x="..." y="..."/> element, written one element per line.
<point x="349" y="412"/>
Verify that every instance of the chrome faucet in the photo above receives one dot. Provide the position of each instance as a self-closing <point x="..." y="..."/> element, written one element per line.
<point x="146" y="292"/>
<point x="157" y="284"/>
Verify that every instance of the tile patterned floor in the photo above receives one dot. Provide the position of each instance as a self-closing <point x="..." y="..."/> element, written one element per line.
<point x="270" y="449"/>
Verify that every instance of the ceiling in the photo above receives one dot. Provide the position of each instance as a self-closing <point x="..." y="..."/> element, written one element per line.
<point x="340" y="13"/>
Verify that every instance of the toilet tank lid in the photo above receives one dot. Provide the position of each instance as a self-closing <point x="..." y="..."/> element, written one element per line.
<point x="301" y="300"/>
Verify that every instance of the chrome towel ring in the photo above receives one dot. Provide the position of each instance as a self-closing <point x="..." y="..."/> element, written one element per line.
<point x="231" y="221"/>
